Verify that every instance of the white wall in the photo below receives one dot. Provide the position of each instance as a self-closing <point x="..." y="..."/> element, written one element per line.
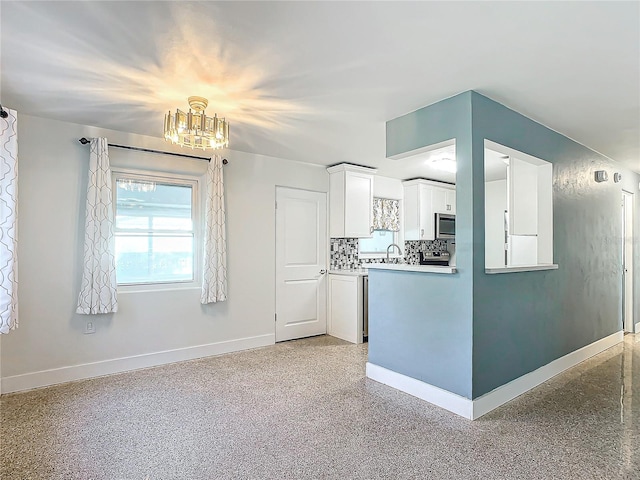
<point x="386" y="187"/>
<point x="495" y="203"/>
<point x="53" y="168"/>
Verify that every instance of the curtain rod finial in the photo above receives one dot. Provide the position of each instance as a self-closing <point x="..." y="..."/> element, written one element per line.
<point x="225" y="161"/>
<point x="83" y="141"/>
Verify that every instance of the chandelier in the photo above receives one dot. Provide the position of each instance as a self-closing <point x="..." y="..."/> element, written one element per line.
<point x="195" y="129"/>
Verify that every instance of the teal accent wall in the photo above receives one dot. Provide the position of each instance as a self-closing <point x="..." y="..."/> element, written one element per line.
<point x="522" y="321"/>
<point x="470" y="332"/>
<point x="432" y="124"/>
<point x="420" y="324"/>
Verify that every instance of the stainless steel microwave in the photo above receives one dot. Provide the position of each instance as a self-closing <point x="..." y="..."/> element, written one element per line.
<point x="445" y="226"/>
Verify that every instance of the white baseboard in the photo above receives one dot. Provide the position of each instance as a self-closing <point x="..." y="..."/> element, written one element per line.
<point x="55" y="376"/>
<point x="637" y="330"/>
<point x="473" y="409"/>
<point x="425" y="391"/>
<point x="520" y="385"/>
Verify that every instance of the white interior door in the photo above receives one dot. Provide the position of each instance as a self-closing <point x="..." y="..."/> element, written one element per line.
<point x="627" y="261"/>
<point x="301" y="256"/>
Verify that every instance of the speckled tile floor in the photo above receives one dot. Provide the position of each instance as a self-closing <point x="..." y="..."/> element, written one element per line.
<point x="304" y="409"/>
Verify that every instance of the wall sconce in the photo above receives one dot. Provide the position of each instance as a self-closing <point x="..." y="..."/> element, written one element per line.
<point x="617" y="177"/>
<point x="601" y="176"/>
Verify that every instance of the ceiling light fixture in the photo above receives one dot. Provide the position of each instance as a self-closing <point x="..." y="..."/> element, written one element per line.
<point x="196" y="130"/>
<point x="445" y="164"/>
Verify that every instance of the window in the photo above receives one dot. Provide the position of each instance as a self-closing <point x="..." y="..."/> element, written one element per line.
<point x="385" y="230"/>
<point x="378" y="243"/>
<point x="155" y="234"/>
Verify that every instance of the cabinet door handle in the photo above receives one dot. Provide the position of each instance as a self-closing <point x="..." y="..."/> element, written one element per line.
<point x="323" y="271"/>
<point x="422" y="232"/>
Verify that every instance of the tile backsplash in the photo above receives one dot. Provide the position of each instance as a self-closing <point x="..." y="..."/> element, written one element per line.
<point x="344" y="253"/>
<point x="412" y="249"/>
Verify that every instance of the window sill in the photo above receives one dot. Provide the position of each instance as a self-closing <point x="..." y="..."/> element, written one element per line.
<point x="521" y="268"/>
<point x="126" y="289"/>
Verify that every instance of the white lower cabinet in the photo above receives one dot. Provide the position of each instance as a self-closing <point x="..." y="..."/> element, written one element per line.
<point x="346" y="307"/>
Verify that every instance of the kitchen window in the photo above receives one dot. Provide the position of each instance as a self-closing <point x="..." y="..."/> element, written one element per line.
<point x="376" y="246"/>
<point x="385" y="230"/>
<point x="156" y="234"/>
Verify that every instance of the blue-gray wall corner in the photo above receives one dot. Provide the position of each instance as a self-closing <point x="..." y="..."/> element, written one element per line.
<point x="472" y="333"/>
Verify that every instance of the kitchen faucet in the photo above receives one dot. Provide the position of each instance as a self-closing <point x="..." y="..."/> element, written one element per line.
<point x="391" y="247"/>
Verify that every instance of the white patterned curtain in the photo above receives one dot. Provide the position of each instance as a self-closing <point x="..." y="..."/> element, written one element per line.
<point x="214" y="275"/>
<point x="386" y="214"/>
<point x="98" y="292"/>
<point x="9" y="221"/>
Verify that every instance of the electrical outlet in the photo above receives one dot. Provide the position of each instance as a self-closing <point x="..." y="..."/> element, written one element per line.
<point x="89" y="327"/>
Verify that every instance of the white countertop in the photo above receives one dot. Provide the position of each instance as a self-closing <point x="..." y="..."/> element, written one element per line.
<point x="355" y="273"/>
<point x="404" y="267"/>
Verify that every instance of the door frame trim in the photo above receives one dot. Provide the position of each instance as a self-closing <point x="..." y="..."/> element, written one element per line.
<point x="628" y="203"/>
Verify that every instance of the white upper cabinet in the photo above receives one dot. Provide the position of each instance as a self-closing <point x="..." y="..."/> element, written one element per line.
<point x="350" y="201"/>
<point x="418" y="217"/>
<point x="422" y="200"/>
<point x="444" y="200"/>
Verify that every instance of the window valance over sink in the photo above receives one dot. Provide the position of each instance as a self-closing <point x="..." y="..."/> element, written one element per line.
<point x="386" y="214"/>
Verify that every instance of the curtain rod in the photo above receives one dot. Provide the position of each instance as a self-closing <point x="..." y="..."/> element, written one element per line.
<point x="84" y="141"/>
<point x="3" y="112"/>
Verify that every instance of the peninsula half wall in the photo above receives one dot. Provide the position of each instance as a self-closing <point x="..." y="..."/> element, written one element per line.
<point x="472" y="341"/>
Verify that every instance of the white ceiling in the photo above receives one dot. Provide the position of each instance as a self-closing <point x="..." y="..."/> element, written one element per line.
<point x="316" y="81"/>
<point x="495" y="167"/>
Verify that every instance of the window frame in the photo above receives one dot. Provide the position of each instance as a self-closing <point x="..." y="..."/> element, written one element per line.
<point x="165" y="178"/>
